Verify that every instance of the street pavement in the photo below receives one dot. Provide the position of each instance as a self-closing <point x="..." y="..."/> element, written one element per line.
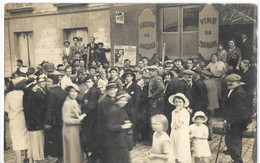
<point x="139" y="152"/>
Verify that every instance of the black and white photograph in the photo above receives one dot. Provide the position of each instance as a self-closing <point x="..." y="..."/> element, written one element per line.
<point x="157" y="82"/>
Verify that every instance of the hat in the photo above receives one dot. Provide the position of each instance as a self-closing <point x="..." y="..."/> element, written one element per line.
<point x="75" y="38"/>
<point x="181" y="95"/>
<point x="113" y="68"/>
<point x="30" y="81"/>
<point x="136" y="69"/>
<point x="188" y="72"/>
<point x="168" y="61"/>
<point x="129" y="71"/>
<point x="20" y="61"/>
<point x="146" y="76"/>
<point x="111" y="85"/>
<point x="75" y="86"/>
<point x="101" y="43"/>
<point x="245" y="61"/>
<point x="41" y="78"/>
<point x="57" y="73"/>
<point x="121" y="94"/>
<point x="49" y="67"/>
<point x="199" y="113"/>
<point x="66" y="41"/>
<point x="30" y="71"/>
<point x="153" y="68"/>
<point x="92" y="67"/>
<point x="233" y="77"/>
<point x="205" y="72"/>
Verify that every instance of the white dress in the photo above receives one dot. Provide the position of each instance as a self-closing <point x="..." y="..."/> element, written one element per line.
<point x="161" y="145"/>
<point x="179" y="137"/>
<point x="18" y="130"/>
<point x="201" y="146"/>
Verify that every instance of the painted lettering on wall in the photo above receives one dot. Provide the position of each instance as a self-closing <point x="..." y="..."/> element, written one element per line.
<point x="208" y="31"/>
<point x="147" y="33"/>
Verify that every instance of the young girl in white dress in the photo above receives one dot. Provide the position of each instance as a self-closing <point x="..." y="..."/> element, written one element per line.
<point x="199" y="135"/>
<point x="179" y="136"/>
<point x="161" y="151"/>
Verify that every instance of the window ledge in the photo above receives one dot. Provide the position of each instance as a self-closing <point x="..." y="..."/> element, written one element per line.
<point x="22" y="9"/>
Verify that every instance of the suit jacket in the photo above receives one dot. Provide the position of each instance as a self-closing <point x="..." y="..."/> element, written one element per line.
<point x="73" y="50"/>
<point x="92" y="97"/>
<point x="246" y="49"/>
<point x="235" y="106"/>
<point x="199" y="96"/>
<point x="250" y="79"/>
<point x="95" y="46"/>
<point x="135" y="92"/>
<point x="156" y="86"/>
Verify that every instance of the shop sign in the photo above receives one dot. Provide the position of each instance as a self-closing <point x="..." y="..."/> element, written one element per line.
<point x="120" y="17"/>
<point x="236" y="14"/>
<point x="208" y="31"/>
<point x="123" y="52"/>
<point x="147" y="34"/>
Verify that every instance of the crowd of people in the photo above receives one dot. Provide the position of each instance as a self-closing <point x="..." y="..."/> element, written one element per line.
<point x="85" y="108"/>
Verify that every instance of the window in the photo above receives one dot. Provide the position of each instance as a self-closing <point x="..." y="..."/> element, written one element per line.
<point x="190" y="19"/>
<point x="170" y="20"/>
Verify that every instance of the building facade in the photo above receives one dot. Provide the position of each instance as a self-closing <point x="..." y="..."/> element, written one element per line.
<point x="35" y="32"/>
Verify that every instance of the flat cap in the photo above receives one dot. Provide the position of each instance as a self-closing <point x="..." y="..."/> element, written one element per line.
<point x="233" y="77"/>
<point x="245" y="61"/>
<point x="188" y="72"/>
<point x="111" y="85"/>
<point x="153" y="68"/>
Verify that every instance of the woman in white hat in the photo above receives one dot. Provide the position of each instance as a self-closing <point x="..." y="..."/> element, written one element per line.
<point x="72" y="117"/>
<point x="179" y="136"/>
<point x="199" y="134"/>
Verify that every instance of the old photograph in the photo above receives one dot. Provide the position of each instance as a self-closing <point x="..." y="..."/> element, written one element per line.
<point x="130" y="83"/>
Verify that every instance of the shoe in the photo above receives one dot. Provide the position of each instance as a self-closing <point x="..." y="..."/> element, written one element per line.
<point x="226" y="152"/>
<point x="6" y="148"/>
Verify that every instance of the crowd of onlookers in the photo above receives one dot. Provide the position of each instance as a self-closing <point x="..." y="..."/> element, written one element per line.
<point x="86" y="106"/>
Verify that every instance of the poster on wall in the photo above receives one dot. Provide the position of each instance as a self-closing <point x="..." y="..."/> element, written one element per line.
<point x="147" y="34"/>
<point x="120" y="17"/>
<point x="208" y="31"/>
<point x="123" y="52"/>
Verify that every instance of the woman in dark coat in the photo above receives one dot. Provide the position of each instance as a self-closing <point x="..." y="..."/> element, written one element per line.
<point x="233" y="56"/>
<point x="89" y="106"/>
<point x="117" y="126"/>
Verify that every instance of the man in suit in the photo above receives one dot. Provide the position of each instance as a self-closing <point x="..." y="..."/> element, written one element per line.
<point x="235" y="117"/>
<point x="92" y="44"/>
<point x="132" y="108"/>
<point x="155" y="95"/>
<point x="101" y="53"/>
<point x="73" y="49"/>
<point x="246" y="47"/>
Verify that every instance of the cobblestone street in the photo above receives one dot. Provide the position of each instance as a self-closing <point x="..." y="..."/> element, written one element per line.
<point x="139" y="152"/>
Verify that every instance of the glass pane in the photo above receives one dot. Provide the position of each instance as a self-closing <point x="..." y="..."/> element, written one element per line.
<point x="172" y="45"/>
<point x="190" y="19"/>
<point x="170" y="20"/>
<point x="190" y="44"/>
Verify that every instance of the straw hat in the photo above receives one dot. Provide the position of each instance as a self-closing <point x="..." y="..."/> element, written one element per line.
<point x="181" y="95"/>
<point x="199" y="113"/>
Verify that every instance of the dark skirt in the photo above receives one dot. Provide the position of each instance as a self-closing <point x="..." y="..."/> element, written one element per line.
<point x="117" y="155"/>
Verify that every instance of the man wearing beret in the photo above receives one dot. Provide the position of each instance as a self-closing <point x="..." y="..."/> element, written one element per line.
<point x="235" y="117"/>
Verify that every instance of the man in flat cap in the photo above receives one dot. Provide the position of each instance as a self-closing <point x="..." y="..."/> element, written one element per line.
<point x="155" y="94"/>
<point x="235" y="117"/>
